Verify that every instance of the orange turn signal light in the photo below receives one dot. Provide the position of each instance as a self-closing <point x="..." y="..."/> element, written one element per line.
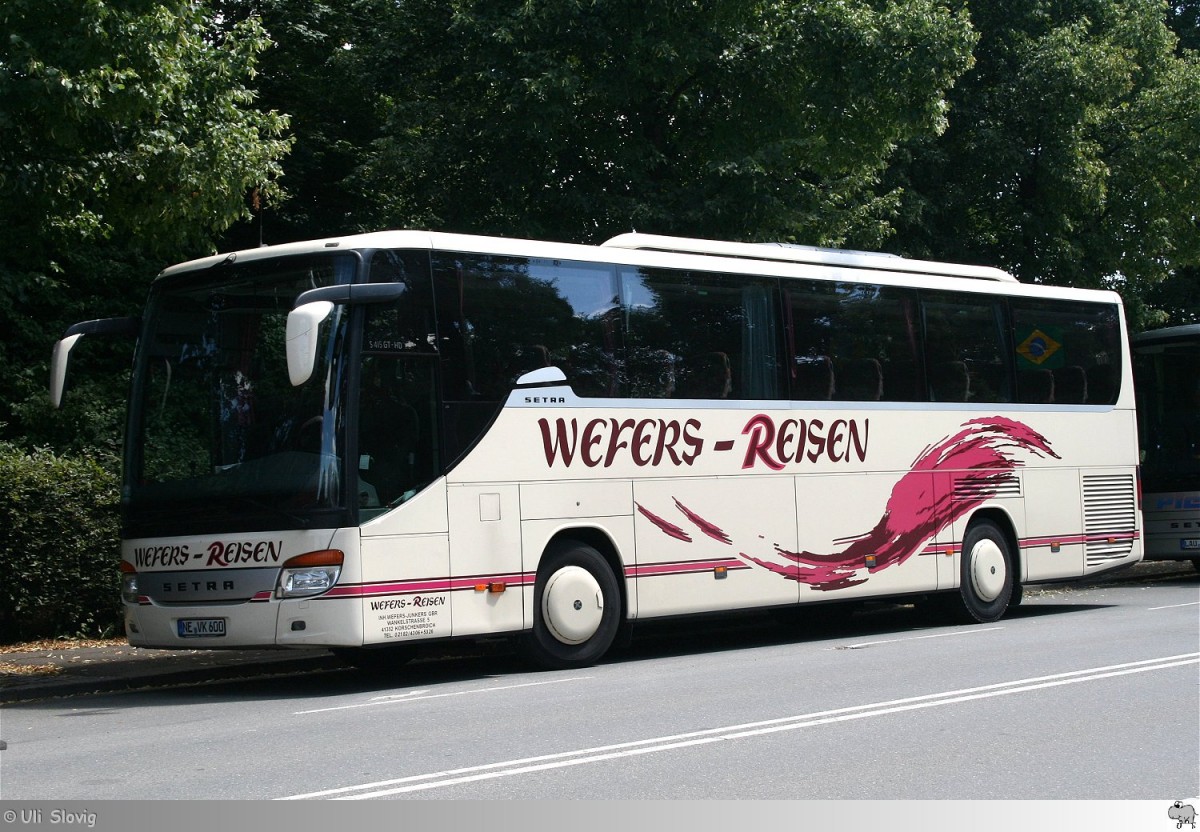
<point x="323" y="557"/>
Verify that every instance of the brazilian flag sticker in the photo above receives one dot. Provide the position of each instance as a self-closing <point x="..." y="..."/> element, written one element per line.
<point x="1041" y="347"/>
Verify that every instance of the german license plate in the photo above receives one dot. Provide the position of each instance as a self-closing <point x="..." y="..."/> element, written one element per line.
<point x="201" y="627"/>
<point x="1190" y="543"/>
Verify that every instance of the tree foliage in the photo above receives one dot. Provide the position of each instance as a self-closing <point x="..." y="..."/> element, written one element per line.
<point x="129" y="118"/>
<point x="1071" y="156"/>
<point x="319" y="70"/>
<point x="577" y="119"/>
<point x="130" y="135"/>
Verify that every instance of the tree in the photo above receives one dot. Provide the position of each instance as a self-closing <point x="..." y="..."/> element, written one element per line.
<point x="575" y="119"/>
<point x="318" y="71"/>
<point x="1183" y="16"/>
<point x="130" y="135"/>
<point x="1072" y="155"/>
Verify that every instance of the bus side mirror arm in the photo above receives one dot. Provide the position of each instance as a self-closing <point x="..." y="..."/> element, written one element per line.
<point x="125" y="327"/>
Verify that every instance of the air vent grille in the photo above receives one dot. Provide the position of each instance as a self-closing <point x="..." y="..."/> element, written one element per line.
<point x="1109" y="516"/>
<point x="975" y="490"/>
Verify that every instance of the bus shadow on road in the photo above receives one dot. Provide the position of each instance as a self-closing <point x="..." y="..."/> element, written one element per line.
<point x="500" y="659"/>
<point x="826" y="622"/>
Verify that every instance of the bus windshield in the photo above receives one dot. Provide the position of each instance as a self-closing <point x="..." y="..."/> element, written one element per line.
<point x="217" y="434"/>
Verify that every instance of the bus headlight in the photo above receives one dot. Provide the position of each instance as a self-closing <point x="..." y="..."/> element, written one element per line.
<point x="309" y="574"/>
<point x="129" y="583"/>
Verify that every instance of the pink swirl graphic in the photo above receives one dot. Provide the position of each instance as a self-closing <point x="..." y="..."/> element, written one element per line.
<point x="977" y="461"/>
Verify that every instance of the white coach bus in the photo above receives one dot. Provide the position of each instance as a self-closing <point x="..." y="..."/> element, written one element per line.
<point x="403" y="436"/>
<point x="1166" y="367"/>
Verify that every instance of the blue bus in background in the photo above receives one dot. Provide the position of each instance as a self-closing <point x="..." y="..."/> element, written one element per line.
<point x="1166" y="368"/>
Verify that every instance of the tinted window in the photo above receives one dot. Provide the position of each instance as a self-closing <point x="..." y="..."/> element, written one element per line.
<point x="853" y="342"/>
<point x="696" y="335"/>
<point x="501" y="317"/>
<point x="399" y="418"/>
<point x="1065" y="352"/>
<point x="1167" y="377"/>
<point x="966" y="348"/>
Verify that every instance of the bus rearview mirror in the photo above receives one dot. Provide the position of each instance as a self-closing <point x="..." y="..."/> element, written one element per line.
<point x="58" y="367"/>
<point x="303" y="324"/>
<point x="124" y="327"/>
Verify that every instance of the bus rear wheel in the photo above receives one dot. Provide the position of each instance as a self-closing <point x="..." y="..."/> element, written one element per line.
<point x="576" y="608"/>
<point x="987" y="579"/>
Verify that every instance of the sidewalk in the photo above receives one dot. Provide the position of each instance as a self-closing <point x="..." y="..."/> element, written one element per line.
<point x="62" y="669"/>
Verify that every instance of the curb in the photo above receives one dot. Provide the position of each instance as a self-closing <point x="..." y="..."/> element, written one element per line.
<point x="104" y="674"/>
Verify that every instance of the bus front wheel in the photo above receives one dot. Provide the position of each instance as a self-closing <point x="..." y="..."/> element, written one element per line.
<point x="576" y="608"/>
<point x="987" y="579"/>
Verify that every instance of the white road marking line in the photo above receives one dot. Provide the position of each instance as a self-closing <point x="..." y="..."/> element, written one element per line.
<point x="401" y="699"/>
<point x="395" y="696"/>
<point x="964" y="632"/>
<point x="510" y="768"/>
<point x="1173" y="606"/>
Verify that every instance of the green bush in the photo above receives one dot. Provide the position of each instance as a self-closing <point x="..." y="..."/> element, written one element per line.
<point x="59" y="545"/>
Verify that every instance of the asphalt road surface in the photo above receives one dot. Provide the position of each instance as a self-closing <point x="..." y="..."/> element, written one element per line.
<point x="1085" y="692"/>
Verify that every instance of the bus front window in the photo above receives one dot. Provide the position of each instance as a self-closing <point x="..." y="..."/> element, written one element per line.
<point x="218" y="434"/>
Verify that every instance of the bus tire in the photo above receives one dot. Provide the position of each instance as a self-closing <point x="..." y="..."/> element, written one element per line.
<point x="1018" y="593"/>
<point x="987" y="574"/>
<point x="576" y="608"/>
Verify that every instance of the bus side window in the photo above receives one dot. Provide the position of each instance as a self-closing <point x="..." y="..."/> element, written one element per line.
<point x="500" y="317"/>
<point x="668" y="314"/>
<point x="1102" y="384"/>
<point x="1070" y="385"/>
<point x="390" y="432"/>
<point x="1077" y="343"/>
<point x="853" y="342"/>
<point x="966" y="347"/>
<point x="1037" y="386"/>
<point x="949" y="381"/>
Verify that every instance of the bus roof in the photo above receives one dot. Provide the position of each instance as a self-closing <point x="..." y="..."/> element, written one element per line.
<point x="805" y="254"/>
<point x="650" y="250"/>
<point x="1187" y="332"/>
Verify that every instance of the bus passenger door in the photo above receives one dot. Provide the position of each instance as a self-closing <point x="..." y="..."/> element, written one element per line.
<point x="485" y="558"/>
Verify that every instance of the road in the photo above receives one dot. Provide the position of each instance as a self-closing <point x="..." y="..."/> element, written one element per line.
<point x="1087" y="692"/>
